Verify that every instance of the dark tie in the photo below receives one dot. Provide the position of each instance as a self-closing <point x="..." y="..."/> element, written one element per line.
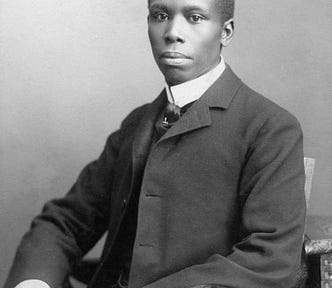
<point x="170" y="115"/>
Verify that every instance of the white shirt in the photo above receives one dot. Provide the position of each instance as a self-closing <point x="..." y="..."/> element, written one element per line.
<point x="179" y="95"/>
<point x="190" y="91"/>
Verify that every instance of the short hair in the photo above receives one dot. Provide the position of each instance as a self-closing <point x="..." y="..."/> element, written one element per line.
<point x="226" y="9"/>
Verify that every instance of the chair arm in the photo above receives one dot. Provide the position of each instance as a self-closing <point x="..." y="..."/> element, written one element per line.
<point x="315" y="247"/>
<point x="319" y="256"/>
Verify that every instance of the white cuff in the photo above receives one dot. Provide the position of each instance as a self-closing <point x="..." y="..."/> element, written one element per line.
<point x="32" y="283"/>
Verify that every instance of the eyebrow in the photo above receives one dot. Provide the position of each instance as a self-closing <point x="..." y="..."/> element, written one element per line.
<point x="190" y="8"/>
<point x="158" y="6"/>
<point x="186" y="9"/>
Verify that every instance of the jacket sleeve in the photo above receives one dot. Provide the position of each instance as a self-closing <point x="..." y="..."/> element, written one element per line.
<point x="271" y="192"/>
<point x="68" y="227"/>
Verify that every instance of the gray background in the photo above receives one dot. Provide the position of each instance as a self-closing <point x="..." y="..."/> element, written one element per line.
<point x="71" y="70"/>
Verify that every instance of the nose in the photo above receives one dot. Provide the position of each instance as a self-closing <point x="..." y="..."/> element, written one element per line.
<point x="174" y="31"/>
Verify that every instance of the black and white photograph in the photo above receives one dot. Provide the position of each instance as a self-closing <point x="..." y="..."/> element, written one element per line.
<point x="165" y="144"/>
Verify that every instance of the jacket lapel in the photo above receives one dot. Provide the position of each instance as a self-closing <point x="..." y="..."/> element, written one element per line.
<point x="219" y="95"/>
<point x="144" y="132"/>
<point x="196" y="117"/>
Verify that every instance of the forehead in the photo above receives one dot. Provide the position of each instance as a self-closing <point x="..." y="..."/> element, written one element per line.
<point x="180" y="4"/>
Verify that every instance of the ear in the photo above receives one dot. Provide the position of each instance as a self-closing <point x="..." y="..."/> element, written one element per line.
<point x="227" y="32"/>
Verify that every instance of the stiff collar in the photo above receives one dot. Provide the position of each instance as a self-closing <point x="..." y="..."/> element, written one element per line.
<point x="218" y="95"/>
<point x="192" y="90"/>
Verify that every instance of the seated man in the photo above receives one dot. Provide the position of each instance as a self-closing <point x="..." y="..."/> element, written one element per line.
<point x="203" y="186"/>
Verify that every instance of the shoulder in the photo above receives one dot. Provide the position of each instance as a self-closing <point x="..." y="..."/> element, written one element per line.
<point x="127" y="127"/>
<point x="260" y="111"/>
<point x="269" y="127"/>
<point x="242" y="104"/>
<point x="135" y="116"/>
<point x="253" y="117"/>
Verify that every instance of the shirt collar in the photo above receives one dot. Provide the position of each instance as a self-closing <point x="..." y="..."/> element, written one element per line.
<point x="190" y="91"/>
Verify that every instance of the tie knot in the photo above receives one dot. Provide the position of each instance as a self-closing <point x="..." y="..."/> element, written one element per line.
<point x="172" y="114"/>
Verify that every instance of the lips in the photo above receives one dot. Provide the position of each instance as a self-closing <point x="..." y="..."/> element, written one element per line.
<point x="170" y="58"/>
<point x="173" y="55"/>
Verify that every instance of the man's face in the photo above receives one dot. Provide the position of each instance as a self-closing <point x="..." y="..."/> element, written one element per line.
<point x="185" y="37"/>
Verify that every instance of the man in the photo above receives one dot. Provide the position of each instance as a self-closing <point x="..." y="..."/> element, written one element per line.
<point x="214" y="198"/>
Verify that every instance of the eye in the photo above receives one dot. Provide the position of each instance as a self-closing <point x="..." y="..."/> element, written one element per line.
<point x="160" y="16"/>
<point x="195" y="18"/>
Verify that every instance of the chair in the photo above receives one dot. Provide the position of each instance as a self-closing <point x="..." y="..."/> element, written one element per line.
<point x="316" y="254"/>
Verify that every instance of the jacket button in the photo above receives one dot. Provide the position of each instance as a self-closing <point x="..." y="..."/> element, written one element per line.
<point x="124" y="203"/>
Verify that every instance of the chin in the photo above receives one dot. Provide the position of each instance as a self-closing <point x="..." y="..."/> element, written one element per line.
<point x="175" y="78"/>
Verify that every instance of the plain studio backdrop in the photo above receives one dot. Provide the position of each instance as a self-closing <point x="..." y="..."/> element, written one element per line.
<point x="70" y="71"/>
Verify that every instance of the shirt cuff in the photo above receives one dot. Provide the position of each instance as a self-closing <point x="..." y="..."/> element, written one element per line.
<point x="32" y="283"/>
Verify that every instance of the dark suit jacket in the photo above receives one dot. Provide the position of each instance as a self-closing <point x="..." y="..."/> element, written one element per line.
<point x="221" y="199"/>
